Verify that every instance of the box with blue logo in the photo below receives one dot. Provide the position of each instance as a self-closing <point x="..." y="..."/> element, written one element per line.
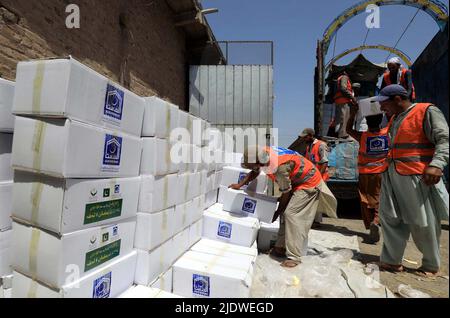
<point x="202" y="275"/>
<point x="72" y="149"/>
<point x="230" y="228"/>
<point x="57" y="260"/>
<point x="67" y="205"/>
<point x="259" y="206"/>
<point x="108" y="281"/>
<point x="65" y="88"/>
<point x="233" y="175"/>
<point x="6" y="104"/>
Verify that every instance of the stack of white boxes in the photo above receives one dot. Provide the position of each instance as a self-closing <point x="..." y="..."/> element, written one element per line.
<point x="172" y="197"/>
<point x="221" y="264"/>
<point x="6" y="183"/>
<point x="76" y="158"/>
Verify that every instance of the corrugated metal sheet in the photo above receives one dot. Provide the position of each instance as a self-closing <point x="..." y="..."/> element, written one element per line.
<point x="232" y="95"/>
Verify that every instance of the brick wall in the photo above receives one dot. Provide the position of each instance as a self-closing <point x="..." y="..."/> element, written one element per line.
<point x="133" y="42"/>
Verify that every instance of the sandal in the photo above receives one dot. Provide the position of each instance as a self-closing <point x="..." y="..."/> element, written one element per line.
<point x="290" y="263"/>
<point x="426" y="274"/>
<point x="391" y="268"/>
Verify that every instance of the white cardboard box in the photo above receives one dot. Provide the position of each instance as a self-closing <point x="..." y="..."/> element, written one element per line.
<point x="164" y="281"/>
<point x="233" y="175"/>
<point x="166" y="117"/>
<point x="6" y="190"/>
<point x="5" y="253"/>
<point x="149" y="122"/>
<point x="209" y="276"/>
<point x="183" y="216"/>
<point x="6" y="105"/>
<point x="6" y="171"/>
<point x="154" y="229"/>
<point x="142" y="292"/>
<point x="255" y="205"/>
<point x="146" y="194"/>
<point x="211" y="198"/>
<point x="53" y="259"/>
<point x="195" y="232"/>
<point x="67" y="205"/>
<point x="71" y="149"/>
<point x="369" y="107"/>
<point x="65" y="88"/>
<point x="165" y="194"/>
<point x="226" y="250"/>
<point x="108" y="281"/>
<point x="156" y="157"/>
<point x="222" y="191"/>
<point x="198" y="206"/>
<point x="230" y="228"/>
<point x="181" y="243"/>
<point x="268" y="235"/>
<point x="151" y="264"/>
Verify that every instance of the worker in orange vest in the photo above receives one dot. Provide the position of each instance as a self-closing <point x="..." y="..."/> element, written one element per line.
<point x="414" y="200"/>
<point x="397" y="74"/>
<point x="374" y="147"/>
<point x="343" y="99"/>
<point x="317" y="153"/>
<point x="303" y="192"/>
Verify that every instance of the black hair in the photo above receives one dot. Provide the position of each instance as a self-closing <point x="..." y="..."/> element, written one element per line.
<point x="374" y="122"/>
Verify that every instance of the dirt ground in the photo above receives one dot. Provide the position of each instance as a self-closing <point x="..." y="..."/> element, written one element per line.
<point x="350" y="224"/>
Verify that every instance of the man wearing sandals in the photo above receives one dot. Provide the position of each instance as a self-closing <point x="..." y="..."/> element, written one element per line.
<point x="303" y="193"/>
<point x="414" y="200"/>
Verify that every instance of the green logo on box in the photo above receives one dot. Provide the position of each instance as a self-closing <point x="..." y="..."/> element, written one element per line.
<point x="102" y="255"/>
<point x="100" y="211"/>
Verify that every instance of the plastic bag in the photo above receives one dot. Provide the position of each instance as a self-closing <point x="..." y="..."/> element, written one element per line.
<point x="406" y="291"/>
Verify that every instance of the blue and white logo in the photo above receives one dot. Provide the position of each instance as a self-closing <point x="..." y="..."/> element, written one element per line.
<point x="115" y="230"/>
<point x="225" y="229"/>
<point x="377" y="145"/>
<point x="242" y="176"/>
<point x="200" y="285"/>
<point x="114" y="102"/>
<point x="117" y="189"/>
<point x="283" y="151"/>
<point x="102" y="287"/>
<point x="112" y="151"/>
<point x="249" y="205"/>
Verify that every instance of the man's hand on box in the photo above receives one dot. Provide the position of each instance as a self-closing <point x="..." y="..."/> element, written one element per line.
<point x="235" y="187"/>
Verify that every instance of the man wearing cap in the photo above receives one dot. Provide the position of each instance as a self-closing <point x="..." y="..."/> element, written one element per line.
<point x="414" y="200"/>
<point x="373" y="150"/>
<point x="343" y="98"/>
<point x="397" y="74"/>
<point x="303" y="193"/>
<point x="317" y="153"/>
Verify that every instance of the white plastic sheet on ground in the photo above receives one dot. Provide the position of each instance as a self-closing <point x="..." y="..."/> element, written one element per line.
<point x="328" y="271"/>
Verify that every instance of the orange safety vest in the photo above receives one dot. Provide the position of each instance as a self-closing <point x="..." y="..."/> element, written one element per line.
<point x="339" y="98"/>
<point x="387" y="80"/>
<point x="313" y="155"/>
<point x="373" y="151"/>
<point x="411" y="151"/>
<point x="308" y="178"/>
